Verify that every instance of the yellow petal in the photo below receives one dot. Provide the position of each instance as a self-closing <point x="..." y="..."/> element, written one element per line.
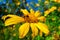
<point x="23" y="30"/>
<point x="31" y="11"/>
<point x="52" y="9"/>
<point x="58" y="1"/>
<point x="34" y="30"/>
<point x="42" y="18"/>
<point x="9" y="15"/>
<point x="4" y="17"/>
<point x="37" y="13"/>
<point x="43" y="28"/>
<point x="46" y="12"/>
<point x="55" y="0"/>
<point x="13" y="16"/>
<point x="25" y="12"/>
<point x="11" y="21"/>
<point x="41" y="33"/>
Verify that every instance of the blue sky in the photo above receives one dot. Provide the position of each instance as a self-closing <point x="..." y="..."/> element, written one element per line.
<point x="2" y="1"/>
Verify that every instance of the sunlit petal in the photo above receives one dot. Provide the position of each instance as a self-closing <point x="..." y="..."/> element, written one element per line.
<point x="9" y="15"/>
<point x="34" y="30"/>
<point x="11" y="21"/>
<point x="42" y="18"/>
<point x="31" y="11"/>
<point x="52" y="8"/>
<point x="25" y="12"/>
<point x="41" y="33"/>
<point x="13" y="16"/>
<point x="46" y="12"/>
<point x="4" y="17"/>
<point x="23" y="30"/>
<point x="43" y="27"/>
<point x="37" y="13"/>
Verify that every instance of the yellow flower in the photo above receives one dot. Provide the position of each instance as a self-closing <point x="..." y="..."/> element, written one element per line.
<point x="31" y="20"/>
<point x="14" y="34"/>
<point x="18" y="3"/>
<point x="55" y="0"/>
<point x="37" y="4"/>
<point x="49" y="10"/>
<point x="58" y="1"/>
<point x="59" y="9"/>
<point x="46" y="2"/>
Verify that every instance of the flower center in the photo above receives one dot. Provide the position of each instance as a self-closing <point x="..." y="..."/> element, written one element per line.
<point x="30" y="18"/>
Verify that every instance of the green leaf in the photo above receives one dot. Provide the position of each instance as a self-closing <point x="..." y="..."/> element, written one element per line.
<point x="48" y="38"/>
<point x="37" y="38"/>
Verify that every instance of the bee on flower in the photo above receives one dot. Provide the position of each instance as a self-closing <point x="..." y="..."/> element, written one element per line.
<point x="30" y="20"/>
